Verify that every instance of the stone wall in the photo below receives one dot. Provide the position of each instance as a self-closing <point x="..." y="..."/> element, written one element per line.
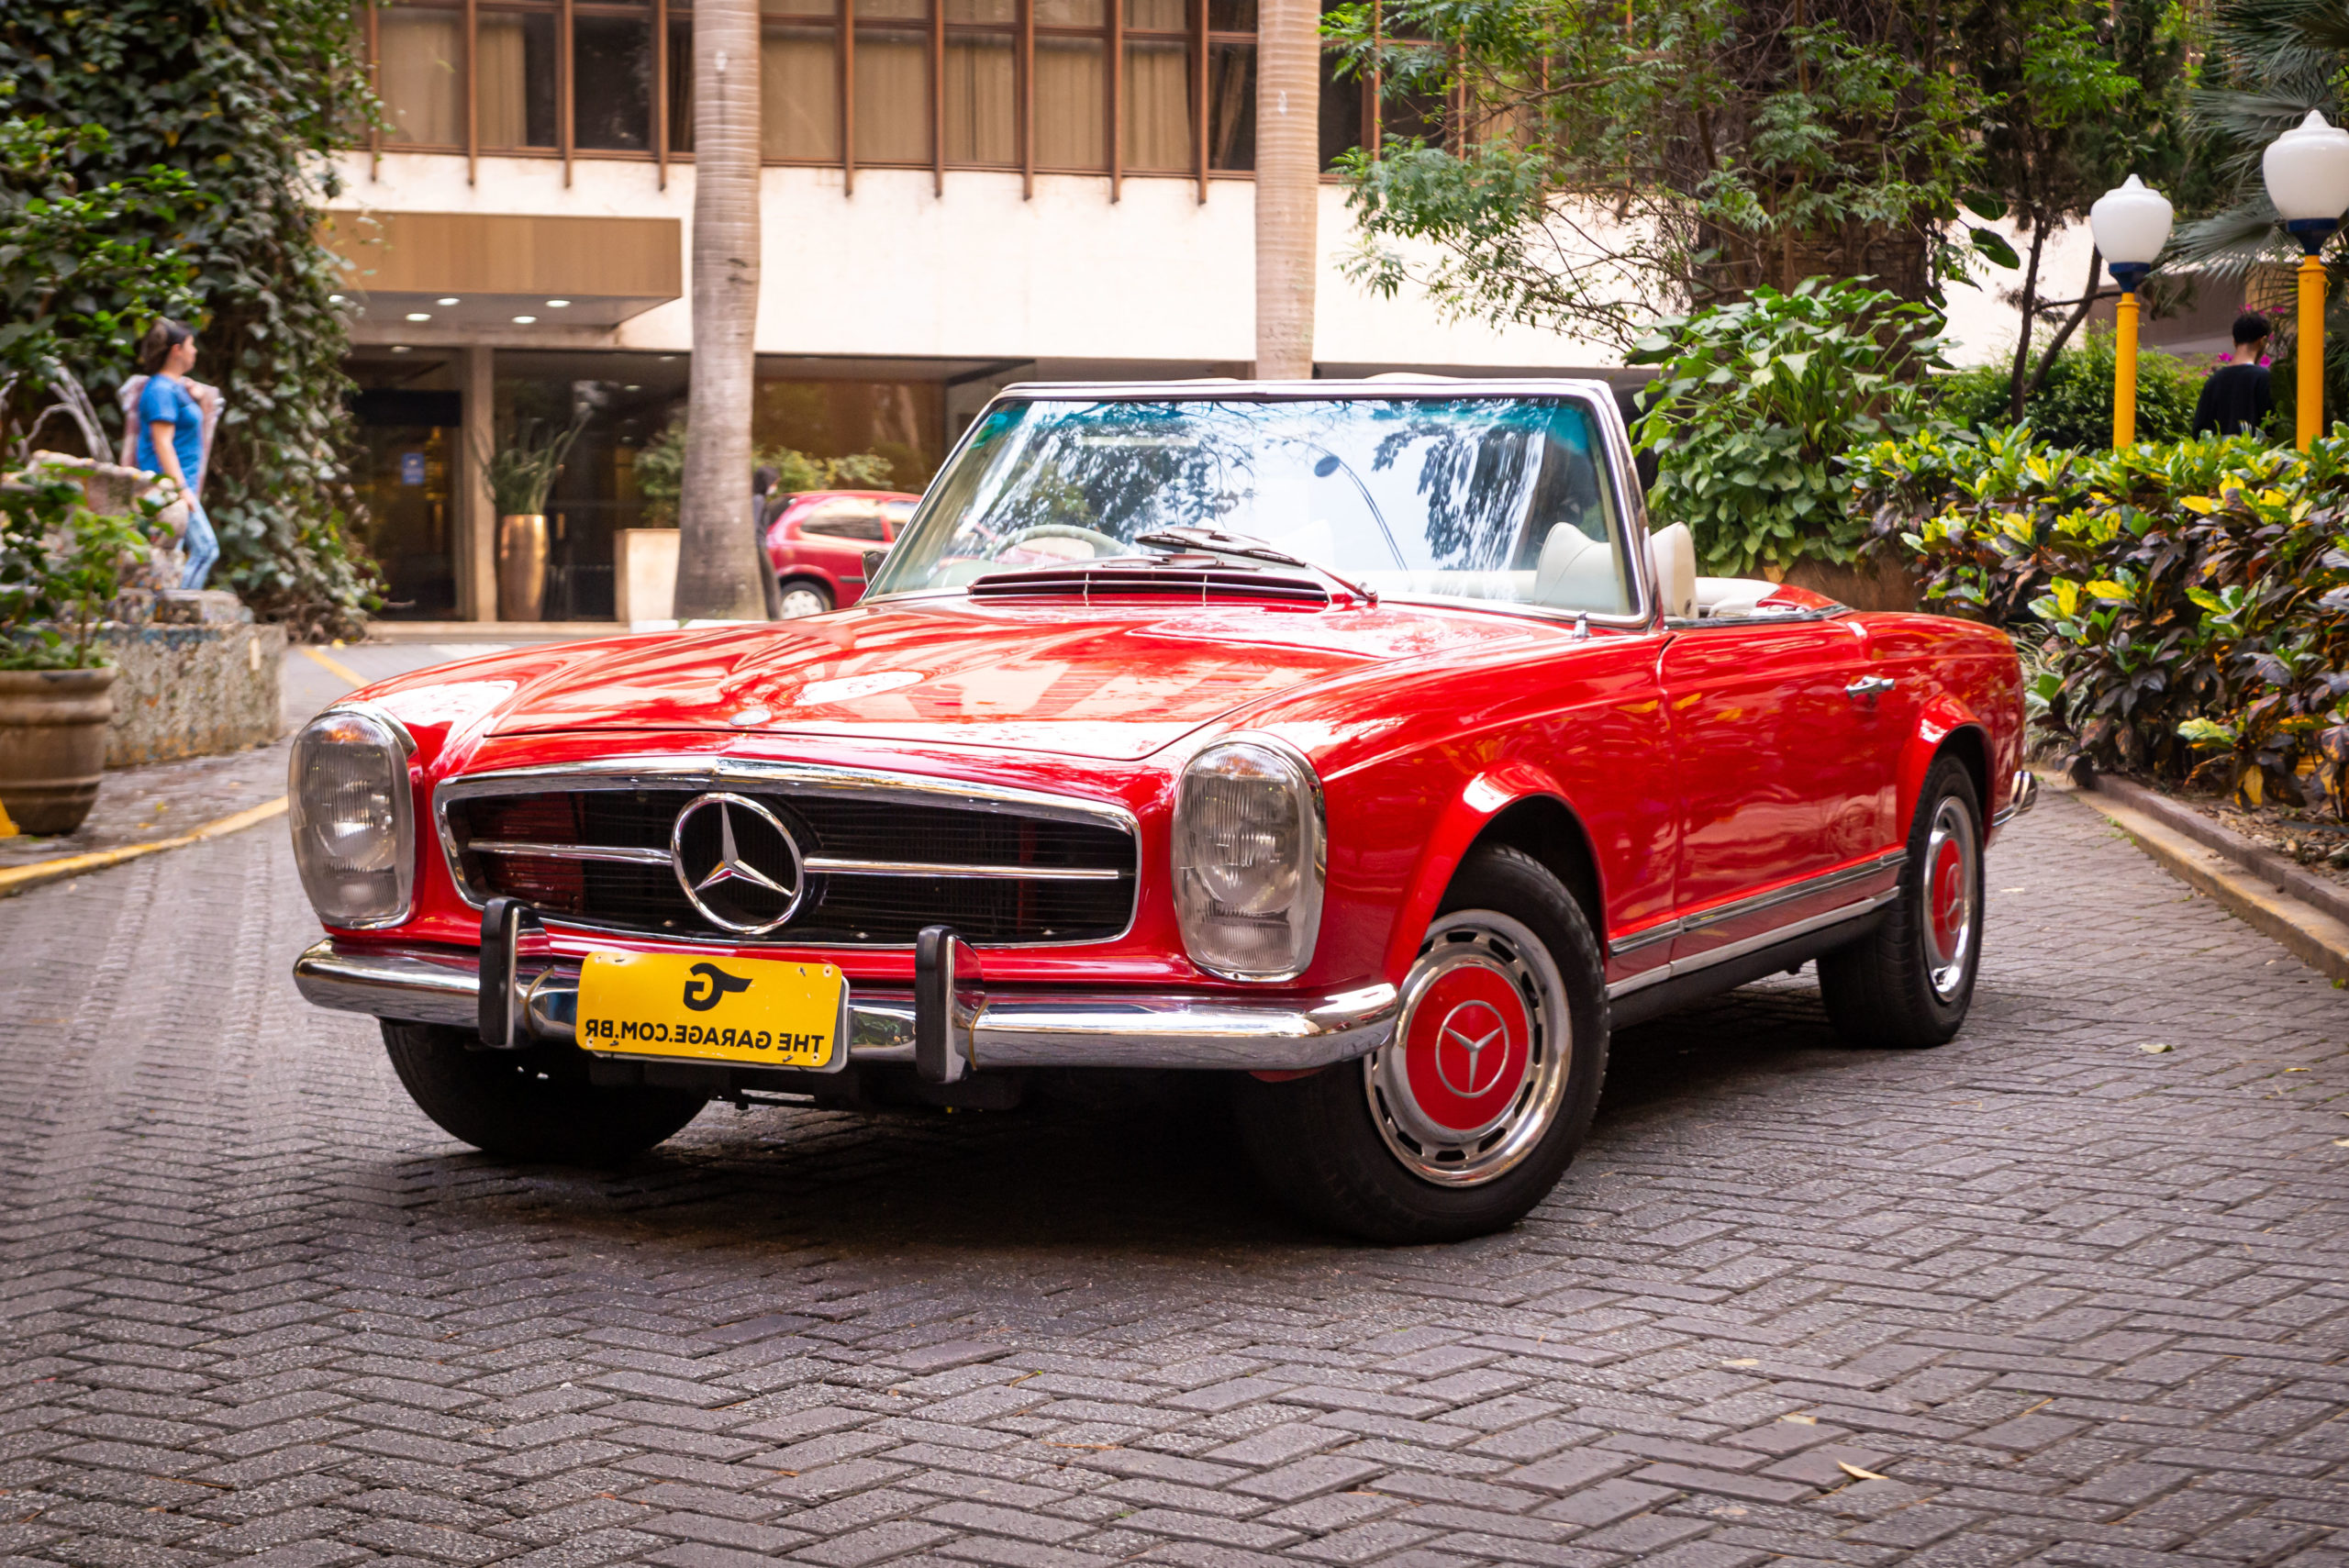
<point x="193" y="691"/>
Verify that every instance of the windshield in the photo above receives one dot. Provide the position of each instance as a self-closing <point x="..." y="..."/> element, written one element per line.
<point x="1470" y="497"/>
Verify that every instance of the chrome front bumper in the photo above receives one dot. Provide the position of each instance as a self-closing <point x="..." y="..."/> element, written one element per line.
<point x="442" y="985"/>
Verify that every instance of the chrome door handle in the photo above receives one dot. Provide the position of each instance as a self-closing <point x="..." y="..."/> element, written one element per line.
<point x="1869" y="687"/>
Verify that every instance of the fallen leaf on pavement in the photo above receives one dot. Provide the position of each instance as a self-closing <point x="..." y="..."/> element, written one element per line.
<point x="1854" y="1470"/>
<point x="1742" y="1360"/>
<point x="1801" y="1420"/>
<point x="2153" y="1050"/>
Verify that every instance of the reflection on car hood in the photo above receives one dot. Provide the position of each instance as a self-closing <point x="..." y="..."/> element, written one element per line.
<point x="1095" y="683"/>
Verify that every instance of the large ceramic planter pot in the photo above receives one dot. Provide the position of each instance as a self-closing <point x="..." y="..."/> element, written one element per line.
<point x="521" y="566"/>
<point x="52" y="745"/>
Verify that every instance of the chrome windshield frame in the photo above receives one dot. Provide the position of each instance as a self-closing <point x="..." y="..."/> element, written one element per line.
<point x="1596" y="397"/>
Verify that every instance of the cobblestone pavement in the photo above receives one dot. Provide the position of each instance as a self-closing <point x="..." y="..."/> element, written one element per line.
<point x="2042" y="1295"/>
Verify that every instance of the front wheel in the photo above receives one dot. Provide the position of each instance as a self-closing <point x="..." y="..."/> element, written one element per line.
<point x="1909" y="982"/>
<point x="802" y="598"/>
<point x="530" y="1104"/>
<point x="1468" y="1117"/>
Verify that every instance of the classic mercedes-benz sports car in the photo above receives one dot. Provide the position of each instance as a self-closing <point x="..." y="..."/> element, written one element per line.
<point x="1355" y="740"/>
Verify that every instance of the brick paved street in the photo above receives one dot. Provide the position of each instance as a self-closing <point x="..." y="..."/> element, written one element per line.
<point x="2039" y="1296"/>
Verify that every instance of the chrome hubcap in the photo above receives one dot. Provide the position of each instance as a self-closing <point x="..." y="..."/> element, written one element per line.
<point x="1476" y="1069"/>
<point x="1953" y="876"/>
<point x="798" y="602"/>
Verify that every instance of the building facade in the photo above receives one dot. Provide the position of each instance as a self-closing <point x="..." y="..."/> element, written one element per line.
<point x="958" y="195"/>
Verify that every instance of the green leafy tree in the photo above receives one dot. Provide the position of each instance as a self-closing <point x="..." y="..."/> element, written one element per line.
<point x="1756" y="403"/>
<point x="81" y="273"/>
<point x="2071" y="402"/>
<point x="246" y="100"/>
<point x="661" y="471"/>
<point x="2076" y="95"/>
<point x="1600" y="159"/>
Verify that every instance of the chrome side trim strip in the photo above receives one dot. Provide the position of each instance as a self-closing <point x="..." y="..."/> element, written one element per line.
<point x="1105" y="1029"/>
<point x="1702" y="962"/>
<point x="1721" y="914"/>
<point x="826" y="865"/>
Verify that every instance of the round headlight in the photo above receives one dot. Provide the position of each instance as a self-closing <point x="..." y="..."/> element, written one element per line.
<point x="353" y="817"/>
<point x="1249" y="860"/>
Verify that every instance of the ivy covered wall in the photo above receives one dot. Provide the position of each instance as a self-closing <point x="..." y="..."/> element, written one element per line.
<point x="246" y="98"/>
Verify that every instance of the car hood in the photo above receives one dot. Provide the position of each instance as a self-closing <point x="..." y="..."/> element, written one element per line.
<point x="1083" y="682"/>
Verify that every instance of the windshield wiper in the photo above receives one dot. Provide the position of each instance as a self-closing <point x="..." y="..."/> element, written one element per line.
<point x="1248" y="547"/>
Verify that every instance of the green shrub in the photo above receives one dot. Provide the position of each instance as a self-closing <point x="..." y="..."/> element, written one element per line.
<point x="1755" y="405"/>
<point x="661" y="471"/>
<point x="60" y="566"/>
<point x="2073" y="407"/>
<point x="2192" y="599"/>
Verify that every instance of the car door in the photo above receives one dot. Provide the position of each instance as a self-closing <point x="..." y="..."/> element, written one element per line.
<point x="1775" y="724"/>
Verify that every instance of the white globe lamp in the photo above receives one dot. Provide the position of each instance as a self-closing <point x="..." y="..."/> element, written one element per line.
<point x="2131" y="224"/>
<point x="2307" y="171"/>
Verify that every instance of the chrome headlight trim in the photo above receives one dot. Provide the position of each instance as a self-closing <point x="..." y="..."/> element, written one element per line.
<point x="397" y="746"/>
<point x="1305" y="912"/>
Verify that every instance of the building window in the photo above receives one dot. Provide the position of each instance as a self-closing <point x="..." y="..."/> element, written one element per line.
<point x="1145" y="87"/>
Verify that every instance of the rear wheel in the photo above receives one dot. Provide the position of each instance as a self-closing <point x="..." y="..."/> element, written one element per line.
<point x="1465" y="1121"/>
<point x="802" y="598"/>
<point x="1909" y="982"/>
<point x="529" y="1105"/>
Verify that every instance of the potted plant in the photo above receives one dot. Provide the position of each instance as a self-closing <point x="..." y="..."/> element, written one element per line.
<point x="60" y="566"/>
<point x="520" y="473"/>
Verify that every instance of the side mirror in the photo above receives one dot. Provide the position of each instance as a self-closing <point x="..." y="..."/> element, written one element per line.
<point x="872" y="560"/>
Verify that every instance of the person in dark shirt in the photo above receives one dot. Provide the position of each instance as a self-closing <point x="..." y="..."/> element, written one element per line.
<point x="2237" y="398"/>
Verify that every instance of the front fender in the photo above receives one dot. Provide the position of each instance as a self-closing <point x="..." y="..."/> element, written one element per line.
<point x="1469" y="812"/>
<point x="1937" y="721"/>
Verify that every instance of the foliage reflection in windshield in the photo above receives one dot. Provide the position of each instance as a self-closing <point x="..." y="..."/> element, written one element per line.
<point x="1484" y="498"/>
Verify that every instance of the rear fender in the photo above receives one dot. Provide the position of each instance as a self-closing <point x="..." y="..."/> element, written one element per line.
<point x="1466" y="816"/>
<point x="1941" y="718"/>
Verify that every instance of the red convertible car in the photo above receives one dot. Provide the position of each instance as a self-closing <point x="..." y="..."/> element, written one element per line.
<point x="1355" y="741"/>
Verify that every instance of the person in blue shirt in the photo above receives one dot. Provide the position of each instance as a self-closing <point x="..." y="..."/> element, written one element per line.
<point x="171" y="435"/>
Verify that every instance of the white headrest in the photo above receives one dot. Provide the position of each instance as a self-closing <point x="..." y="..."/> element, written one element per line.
<point x="1575" y="572"/>
<point x="1672" y="563"/>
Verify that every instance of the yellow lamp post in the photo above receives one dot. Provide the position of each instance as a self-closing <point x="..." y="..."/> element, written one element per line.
<point x="2131" y="224"/>
<point x="2307" y="171"/>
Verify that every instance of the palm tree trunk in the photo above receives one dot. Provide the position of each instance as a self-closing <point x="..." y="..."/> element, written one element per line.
<point x="717" y="558"/>
<point x="1288" y="183"/>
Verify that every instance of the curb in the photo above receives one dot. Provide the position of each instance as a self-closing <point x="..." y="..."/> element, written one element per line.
<point x="2230" y="869"/>
<point x="16" y="879"/>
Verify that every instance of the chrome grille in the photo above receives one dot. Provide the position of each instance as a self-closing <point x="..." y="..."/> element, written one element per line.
<point x="880" y="863"/>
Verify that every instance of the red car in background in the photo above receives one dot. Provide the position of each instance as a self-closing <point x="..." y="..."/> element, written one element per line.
<point x="816" y="541"/>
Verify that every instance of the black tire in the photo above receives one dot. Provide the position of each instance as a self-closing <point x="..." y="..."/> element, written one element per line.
<point x="1339" y="1147"/>
<point x="1891" y="989"/>
<point x="534" y="1105"/>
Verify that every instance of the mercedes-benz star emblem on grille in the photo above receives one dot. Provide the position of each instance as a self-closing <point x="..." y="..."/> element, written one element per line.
<point x="737" y="861"/>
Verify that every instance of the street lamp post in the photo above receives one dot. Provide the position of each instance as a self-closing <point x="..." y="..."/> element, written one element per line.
<point x="2132" y="224"/>
<point x="2307" y="171"/>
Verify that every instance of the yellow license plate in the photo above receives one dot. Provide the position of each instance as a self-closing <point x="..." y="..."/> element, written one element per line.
<point x="769" y="1012"/>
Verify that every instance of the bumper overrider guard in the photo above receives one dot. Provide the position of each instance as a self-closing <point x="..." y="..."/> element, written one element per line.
<point x="947" y="1025"/>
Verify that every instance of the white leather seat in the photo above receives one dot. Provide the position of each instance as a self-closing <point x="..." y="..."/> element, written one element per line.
<point x="1576" y="572"/>
<point x="1672" y="566"/>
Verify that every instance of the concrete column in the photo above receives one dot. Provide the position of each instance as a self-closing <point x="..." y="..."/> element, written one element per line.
<point x="475" y="545"/>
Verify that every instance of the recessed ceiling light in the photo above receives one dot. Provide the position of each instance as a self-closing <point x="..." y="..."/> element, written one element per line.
<point x="667" y="359"/>
<point x="632" y="386"/>
<point x="557" y="304"/>
<point x="450" y="300"/>
<point x="524" y="320"/>
<point x="420" y="316"/>
<point x="399" y="348"/>
<point x="334" y="299"/>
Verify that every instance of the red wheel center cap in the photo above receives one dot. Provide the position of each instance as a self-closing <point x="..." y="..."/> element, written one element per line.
<point x="1948" y="897"/>
<point x="1467" y="1049"/>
